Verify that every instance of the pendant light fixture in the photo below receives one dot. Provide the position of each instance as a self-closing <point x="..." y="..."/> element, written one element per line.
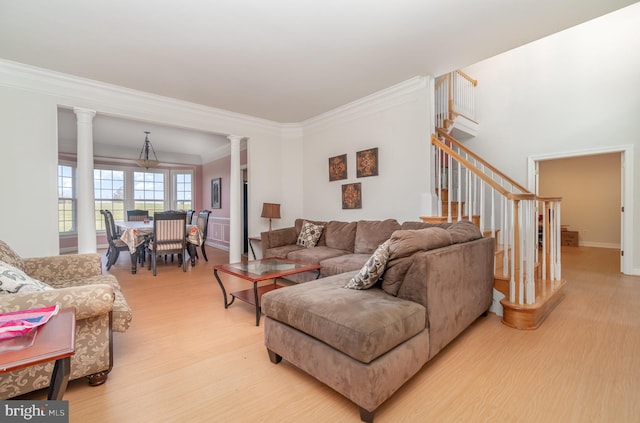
<point x="144" y="160"/>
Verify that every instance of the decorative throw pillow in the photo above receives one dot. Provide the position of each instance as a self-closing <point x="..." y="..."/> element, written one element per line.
<point x="310" y="234"/>
<point x="14" y="280"/>
<point x="372" y="269"/>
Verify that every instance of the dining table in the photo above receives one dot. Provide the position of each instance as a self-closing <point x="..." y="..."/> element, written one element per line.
<point x="135" y="234"/>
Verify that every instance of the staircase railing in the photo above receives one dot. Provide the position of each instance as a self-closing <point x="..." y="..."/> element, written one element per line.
<point x="526" y="226"/>
<point x="454" y="95"/>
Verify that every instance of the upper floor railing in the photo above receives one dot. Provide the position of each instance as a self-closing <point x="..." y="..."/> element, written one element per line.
<point x="454" y="95"/>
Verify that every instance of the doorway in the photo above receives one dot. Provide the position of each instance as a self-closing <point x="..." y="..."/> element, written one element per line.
<point x="595" y="187"/>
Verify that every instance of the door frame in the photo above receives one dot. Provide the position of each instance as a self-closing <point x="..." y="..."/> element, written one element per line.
<point x="626" y="217"/>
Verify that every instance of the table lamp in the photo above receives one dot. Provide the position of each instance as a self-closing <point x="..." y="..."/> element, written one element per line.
<point x="270" y="211"/>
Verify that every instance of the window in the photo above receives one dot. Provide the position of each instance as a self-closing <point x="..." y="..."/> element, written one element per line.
<point x="123" y="188"/>
<point x="66" y="199"/>
<point x="148" y="191"/>
<point x="184" y="191"/>
<point x="108" y="192"/>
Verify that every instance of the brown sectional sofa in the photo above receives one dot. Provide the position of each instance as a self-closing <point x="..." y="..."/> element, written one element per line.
<point x="366" y="344"/>
<point x="343" y="246"/>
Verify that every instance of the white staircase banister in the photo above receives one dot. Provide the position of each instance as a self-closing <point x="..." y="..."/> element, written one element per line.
<point x="477" y="191"/>
<point x="479" y="159"/>
<point x="469" y="166"/>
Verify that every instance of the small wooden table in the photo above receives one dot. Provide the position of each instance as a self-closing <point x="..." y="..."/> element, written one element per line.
<point x="55" y="340"/>
<point x="251" y="240"/>
<point x="257" y="271"/>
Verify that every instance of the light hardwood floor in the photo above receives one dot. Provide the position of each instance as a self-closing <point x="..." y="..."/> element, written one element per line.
<point x="187" y="359"/>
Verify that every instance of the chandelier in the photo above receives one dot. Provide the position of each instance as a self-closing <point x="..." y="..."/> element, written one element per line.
<point x="144" y="160"/>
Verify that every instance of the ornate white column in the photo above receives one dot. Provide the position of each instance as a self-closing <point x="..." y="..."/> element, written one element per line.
<point x="86" y="203"/>
<point x="235" y="202"/>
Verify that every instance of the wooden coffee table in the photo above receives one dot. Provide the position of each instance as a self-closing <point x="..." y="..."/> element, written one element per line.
<point x="257" y="271"/>
<point x="55" y="340"/>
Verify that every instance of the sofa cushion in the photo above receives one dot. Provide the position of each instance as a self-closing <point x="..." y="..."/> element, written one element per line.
<point x="314" y="255"/>
<point x="464" y="231"/>
<point x="309" y="234"/>
<point x="402" y="245"/>
<point x="371" y="233"/>
<point x="372" y="269"/>
<point x="344" y="263"/>
<point x="406" y="243"/>
<point x="14" y="280"/>
<point x="281" y="251"/>
<point x="341" y="235"/>
<point x="395" y="273"/>
<point x="409" y="225"/>
<point x="362" y="324"/>
<point x="9" y="256"/>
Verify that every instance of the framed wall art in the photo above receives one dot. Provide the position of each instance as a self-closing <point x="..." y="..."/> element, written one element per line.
<point x="352" y="196"/>
<point x="367" y="163"/>
<point x="338" y="168"/>
<point x="216" y="193"/>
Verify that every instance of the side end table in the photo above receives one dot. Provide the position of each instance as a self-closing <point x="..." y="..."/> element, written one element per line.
<point x="55" y="340"/>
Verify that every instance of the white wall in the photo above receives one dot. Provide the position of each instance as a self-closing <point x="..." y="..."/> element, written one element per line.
<point x="396" y="122"/>
<point x="292" y="183"/>
<point x="29" y="98"/>
<point x="28" y="171"/>
<point x="274" y="177"/>
<point x="574" y="91"/>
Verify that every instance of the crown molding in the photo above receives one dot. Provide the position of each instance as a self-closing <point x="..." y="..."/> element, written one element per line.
<point x="389" y="97"/>
<point x="74" y="91"/>
<point x="292" y="130"/>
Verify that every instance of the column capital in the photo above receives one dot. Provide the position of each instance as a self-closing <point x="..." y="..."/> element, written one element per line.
<point x="84" y="111"/>
<point x="234" y="138"/>
<point x="84" y="115"/>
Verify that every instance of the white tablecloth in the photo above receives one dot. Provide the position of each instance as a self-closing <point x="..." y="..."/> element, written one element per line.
<point x="134" y="233"/>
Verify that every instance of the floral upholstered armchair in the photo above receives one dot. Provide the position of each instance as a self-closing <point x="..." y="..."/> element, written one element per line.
<point x="70" y="281"/>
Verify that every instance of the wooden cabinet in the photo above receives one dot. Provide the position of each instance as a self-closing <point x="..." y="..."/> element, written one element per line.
<point x="569" y="238"/>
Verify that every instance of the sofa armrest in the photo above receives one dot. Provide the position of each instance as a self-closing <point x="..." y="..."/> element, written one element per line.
<point x="278" y="238"/>
<point x="65" y="267"/>
<point x="88" y="300"/>
<point x="455" y="284"/>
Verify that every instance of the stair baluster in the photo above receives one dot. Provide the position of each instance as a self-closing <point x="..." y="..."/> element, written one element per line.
<point x="514" y="212"/>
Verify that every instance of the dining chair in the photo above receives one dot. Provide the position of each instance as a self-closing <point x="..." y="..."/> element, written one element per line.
<point x="114" y="229"/>
<point x="169" y="237"/>
<point x="190" y="214"/>
<point x="106" y="222"/>
<point x="202" y="222"/>
<point x="115" y="243"/>
<point x="137" y="215"/>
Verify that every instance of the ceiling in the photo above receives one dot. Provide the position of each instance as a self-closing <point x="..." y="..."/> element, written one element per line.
<point x="282" y="60"/>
